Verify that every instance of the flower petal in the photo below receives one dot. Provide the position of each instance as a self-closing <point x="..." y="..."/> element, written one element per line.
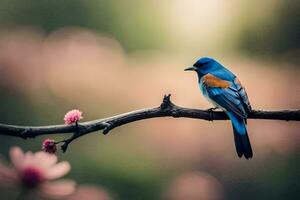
<point x="57" y="189"/>
<point x="8" y="176"/>
<point x="28" y="160"/>
<point x="58" y="170"/>
<point x="16" y="156"/>
<point x="44" y="159"/>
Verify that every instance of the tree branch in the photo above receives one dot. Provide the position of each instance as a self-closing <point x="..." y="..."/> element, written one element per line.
<point x="166" y="109"/>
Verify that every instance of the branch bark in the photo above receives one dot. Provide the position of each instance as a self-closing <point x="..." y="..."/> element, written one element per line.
<point x="166" y="109"/>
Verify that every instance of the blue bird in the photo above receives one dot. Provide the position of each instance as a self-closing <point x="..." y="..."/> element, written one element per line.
<point x="223" y="89"/>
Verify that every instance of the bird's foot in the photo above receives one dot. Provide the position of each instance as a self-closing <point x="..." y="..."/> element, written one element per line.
<point x="212" y="109"/>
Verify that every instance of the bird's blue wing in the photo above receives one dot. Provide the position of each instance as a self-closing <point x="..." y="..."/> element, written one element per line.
<point x="237" y="87"/>
<point x="227" y="98"/>
<point x="243" y="95"/>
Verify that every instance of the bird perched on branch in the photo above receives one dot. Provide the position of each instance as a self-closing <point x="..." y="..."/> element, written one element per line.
<point x="223" y="89"/>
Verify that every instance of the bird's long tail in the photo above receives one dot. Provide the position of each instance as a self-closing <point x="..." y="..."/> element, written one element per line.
<point x="241" y="139"/>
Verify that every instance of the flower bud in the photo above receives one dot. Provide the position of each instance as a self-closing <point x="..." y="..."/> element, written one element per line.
<point x="49" y="146"/>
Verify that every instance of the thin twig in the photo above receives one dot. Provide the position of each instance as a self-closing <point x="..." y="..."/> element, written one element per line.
<point x="166" y="109"/>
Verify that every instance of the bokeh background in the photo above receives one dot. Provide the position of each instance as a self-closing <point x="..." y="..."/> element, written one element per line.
<point x="107" y="57"/>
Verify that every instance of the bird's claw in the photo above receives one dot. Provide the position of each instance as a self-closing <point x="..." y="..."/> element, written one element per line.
<point x="212" y="109"/>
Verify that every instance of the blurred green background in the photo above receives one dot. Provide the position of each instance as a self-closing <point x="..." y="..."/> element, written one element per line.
<point x="109" y="57"/>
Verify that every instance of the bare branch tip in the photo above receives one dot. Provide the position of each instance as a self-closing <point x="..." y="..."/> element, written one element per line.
<point x="166" y="102"/>
<point x="107" y="128"/>
<point x="64" y="147"/>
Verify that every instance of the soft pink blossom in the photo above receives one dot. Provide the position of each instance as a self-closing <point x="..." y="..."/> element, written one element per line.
<point x="37" y="171"/>
<point x="72" y="117"/>
<point x="49" y="146"/>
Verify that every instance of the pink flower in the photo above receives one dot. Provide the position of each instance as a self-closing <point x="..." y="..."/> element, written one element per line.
<point x="49" y="146"/>
<point x="36" y="171"/>
<point x="72" y="117"/>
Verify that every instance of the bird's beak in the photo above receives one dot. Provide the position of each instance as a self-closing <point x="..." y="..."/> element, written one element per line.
<point x="190" y="69"/>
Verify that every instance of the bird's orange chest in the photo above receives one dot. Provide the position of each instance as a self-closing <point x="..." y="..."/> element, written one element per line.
<point x="213" y="81"/>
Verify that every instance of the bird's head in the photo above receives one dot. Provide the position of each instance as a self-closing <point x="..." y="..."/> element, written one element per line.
<point x="203" y="66"/>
